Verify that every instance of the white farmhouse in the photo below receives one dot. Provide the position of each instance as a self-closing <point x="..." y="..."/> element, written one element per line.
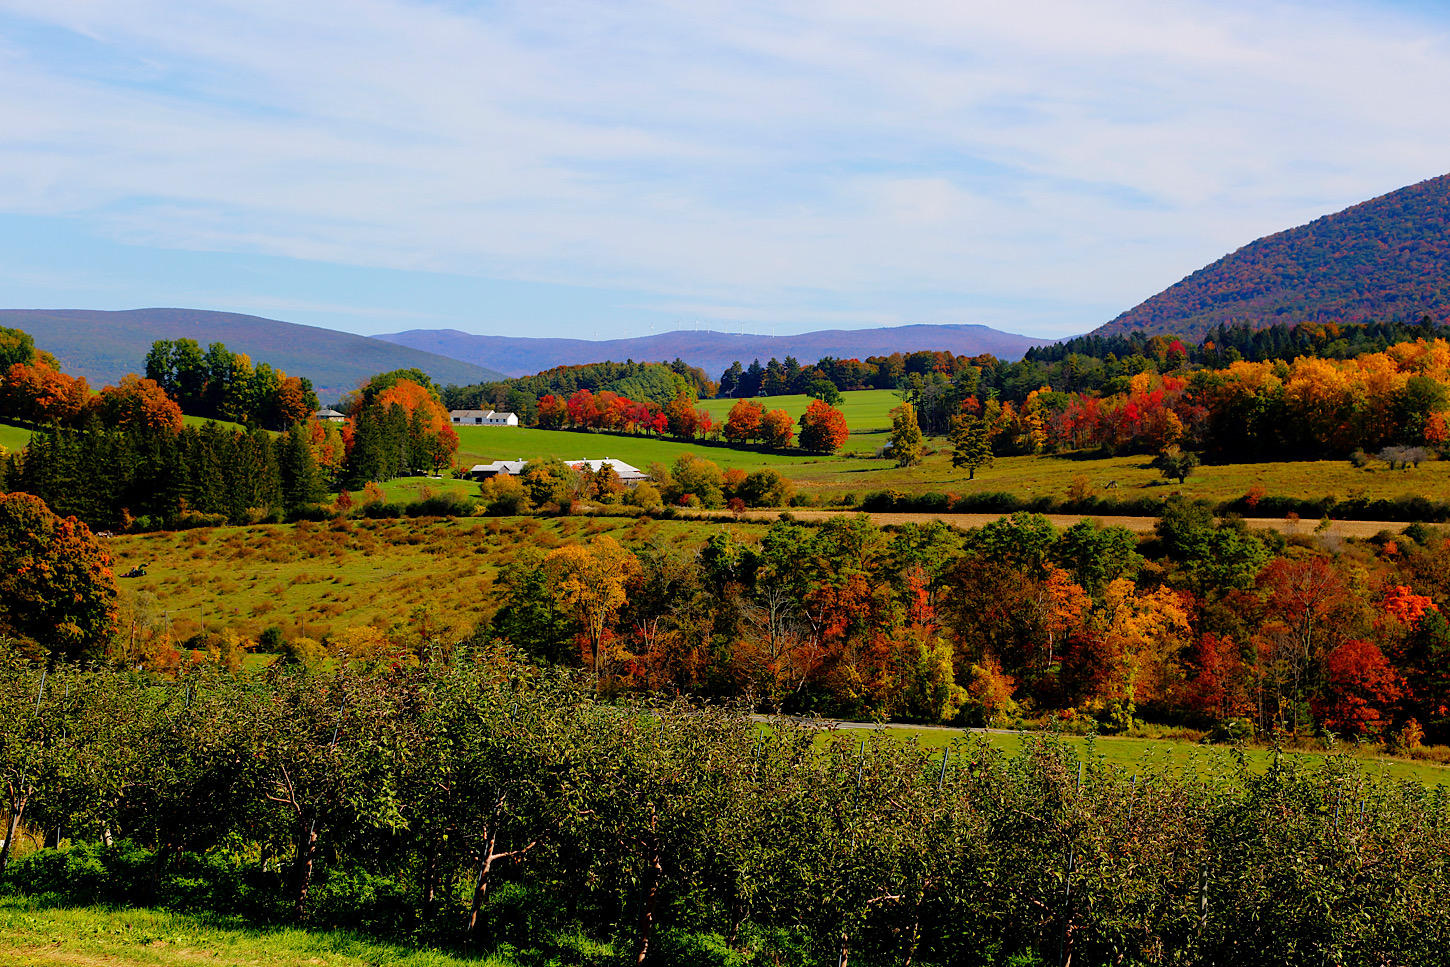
<point x="482" y="418"/>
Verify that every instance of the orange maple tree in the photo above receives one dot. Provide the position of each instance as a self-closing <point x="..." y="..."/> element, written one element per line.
<point x="823" y="428"/>
<point x="138" y="404"/>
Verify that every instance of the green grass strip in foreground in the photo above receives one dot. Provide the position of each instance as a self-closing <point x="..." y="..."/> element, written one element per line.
<point x="33" y="934"/>
<point x="1157" y="756"/>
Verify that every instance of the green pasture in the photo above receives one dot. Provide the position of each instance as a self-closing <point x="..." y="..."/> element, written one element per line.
<point x="202" y="421"/>
<point x="867" y="412"/>
<point x="483" y="444"/>
<point x="407" y="490"/>
<point x="1148" y="756"/>
<point x="1122" y="477"/>
<point x="33" y="933"/>
<point x="13" y="438"/>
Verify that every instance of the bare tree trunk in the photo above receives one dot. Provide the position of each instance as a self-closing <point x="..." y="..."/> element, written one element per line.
<point x="306" y="854"/>
<point x="17" y="809"/>
<point x="845" y="949"/>
<point x="651" y="899"/>
<point x="737" y="919"/>
<point x="480" y="884"/>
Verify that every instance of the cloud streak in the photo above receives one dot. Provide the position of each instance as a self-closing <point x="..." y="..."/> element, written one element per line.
<point x="1037" y="166"/>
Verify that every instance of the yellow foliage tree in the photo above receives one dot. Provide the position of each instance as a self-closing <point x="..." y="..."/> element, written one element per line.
<point x="1143" y="634"/>
<point x="590" y="582"/>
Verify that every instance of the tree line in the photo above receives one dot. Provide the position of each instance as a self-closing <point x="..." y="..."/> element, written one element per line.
<point x="471" y="801"/>
<point x="1312" y="408"/>
<point x="657" y="383"/>
<point x="219" y="384"/>
<point x="1206" y="624"/>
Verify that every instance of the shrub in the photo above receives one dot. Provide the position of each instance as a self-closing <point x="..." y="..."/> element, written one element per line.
<point x="504" y="495"/>
<point x="766" y="488"/>
<point x="643" y="495"/>
<point x="442" y="505"/>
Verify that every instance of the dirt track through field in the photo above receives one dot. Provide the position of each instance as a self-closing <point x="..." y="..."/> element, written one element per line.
<point x="1141" y="525"/>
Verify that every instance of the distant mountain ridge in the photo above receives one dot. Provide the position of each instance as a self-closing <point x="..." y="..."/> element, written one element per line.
<point x="104" y="346"/>
<point x="1381" y="260"/>
<point x="712" y="351"/>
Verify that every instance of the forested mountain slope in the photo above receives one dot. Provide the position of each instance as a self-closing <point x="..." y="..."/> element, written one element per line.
<point x="104" y="346"/>
<point x="1387" y="258"/>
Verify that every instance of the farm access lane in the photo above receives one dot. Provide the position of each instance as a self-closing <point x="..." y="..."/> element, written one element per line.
<point x="1141" y="525"/>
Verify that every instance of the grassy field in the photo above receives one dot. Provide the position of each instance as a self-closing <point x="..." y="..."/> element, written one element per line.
<point x="1122" y="477"/>
<point x="315" y="580"/>
<point x="867" y="412"/>
<point x="32" y="933"/>
<point x="855" y="471"/>
<point x="1146" y="756"/>
<point x="13" y="438"/>
<point x="202" y="421"/>
<point x="406" y="490"/>
<point x="487" y="444"/>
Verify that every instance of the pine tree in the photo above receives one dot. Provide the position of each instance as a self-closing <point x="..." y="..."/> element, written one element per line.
<point x="300" y="482"/>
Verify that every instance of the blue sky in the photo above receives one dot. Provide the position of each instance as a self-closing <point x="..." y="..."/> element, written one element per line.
<point x="579" y="168"/>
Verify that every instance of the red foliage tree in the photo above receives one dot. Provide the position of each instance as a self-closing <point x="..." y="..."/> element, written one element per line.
<point x="57" y="589"/>
<point x="553" y="412"/>
<point x="1360" y="686"/>
<point x="743" y="423"/>
<point x="823" y="428"/>
<point x="777" y="429"/>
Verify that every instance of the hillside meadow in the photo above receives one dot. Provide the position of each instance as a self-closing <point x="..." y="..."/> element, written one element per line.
<point x="1053" y="475"/>
<point x="867" y="412"/>
<point x="12" y="437"/>
<point x="318" y="579"/>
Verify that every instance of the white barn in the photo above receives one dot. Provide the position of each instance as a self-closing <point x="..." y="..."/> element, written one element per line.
<point x="482" y="418"/>
<point x="509" y="468"/>
<point x="629" y="476"/>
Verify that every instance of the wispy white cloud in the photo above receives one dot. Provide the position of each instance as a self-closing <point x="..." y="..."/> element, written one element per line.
<point x="1032" y="165"/>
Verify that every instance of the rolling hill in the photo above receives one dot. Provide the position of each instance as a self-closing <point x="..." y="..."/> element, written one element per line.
<point x="104" y="346"/>
<point x="711" y="351"/>
<point x="1384" y="259"/>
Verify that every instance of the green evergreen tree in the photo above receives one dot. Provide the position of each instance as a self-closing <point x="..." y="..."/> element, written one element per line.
<point x="301" y="484"/>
